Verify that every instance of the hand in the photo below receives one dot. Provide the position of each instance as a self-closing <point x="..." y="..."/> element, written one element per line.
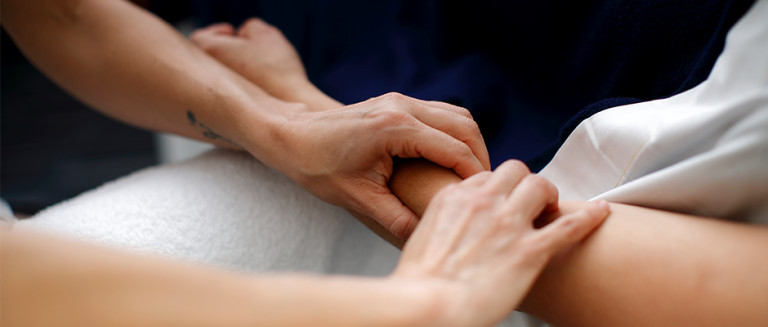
<point x="478" y="247"/>
<point x="344" y="156"/>
<point x="259" y="52"/>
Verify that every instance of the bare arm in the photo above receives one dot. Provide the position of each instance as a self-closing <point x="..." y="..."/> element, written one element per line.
<point x="642" y="267"/>
<point x="48" y="281"/>
<point x="132" y="66"/>
<point x="449" y="273"/>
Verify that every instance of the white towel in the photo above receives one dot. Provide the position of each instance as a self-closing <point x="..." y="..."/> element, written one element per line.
<point x="222" y="208"/>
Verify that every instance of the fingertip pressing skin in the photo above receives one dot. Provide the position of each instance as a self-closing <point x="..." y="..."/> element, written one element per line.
<point x="537" y="185"/>
<point x="573" y="227"/>
<point x="509" y="173"/>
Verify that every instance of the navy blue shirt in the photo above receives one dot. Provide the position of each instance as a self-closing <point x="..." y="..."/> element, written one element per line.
<point x="529" y="71"/>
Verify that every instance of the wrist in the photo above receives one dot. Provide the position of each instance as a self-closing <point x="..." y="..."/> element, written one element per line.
<point x="263" y="129"/>
<point x="438" y="300"/>
<point x="422" y="302"/>
<point x="303" y="91"/>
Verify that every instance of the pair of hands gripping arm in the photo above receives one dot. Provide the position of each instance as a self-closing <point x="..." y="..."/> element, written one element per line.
<point x="642" y="267"/>
<point x="134" y="67"/>
<point x="100" y="51"/>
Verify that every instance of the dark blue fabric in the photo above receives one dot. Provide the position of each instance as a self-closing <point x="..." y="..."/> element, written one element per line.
<point x="529" y="71"/>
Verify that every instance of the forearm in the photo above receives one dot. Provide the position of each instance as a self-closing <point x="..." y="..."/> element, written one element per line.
<point x="48" y="281"/>
<point x="646" y="267"/>
<point x="134" y="67"/>
<point x="642" y="267"/>
<point x="416" y="181"/>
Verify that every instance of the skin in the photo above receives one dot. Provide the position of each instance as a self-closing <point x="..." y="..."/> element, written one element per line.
<point x="131" y="66"/>
<point x="642" y="267"/>
<point x="475" y="237"/>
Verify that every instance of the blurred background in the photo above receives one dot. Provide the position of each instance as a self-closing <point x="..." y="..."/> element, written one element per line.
<point x="527" y="70"/>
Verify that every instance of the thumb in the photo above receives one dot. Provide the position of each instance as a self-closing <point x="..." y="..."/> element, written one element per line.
<point x="392" y="214"/>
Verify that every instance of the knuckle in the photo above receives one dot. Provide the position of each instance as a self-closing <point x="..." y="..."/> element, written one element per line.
<point x="470" y="126"/>
<point x="389" y="116"/>
<point x="463" y="150"/>
<point x="482" y="201"/>
<point x="541" y="184"/>
<point x="533" y="247"/>
<point x="252" y="22"/>
<point x="465" y="112"/>
<point x="516" y="166"/>
<point x="392" y="96"/>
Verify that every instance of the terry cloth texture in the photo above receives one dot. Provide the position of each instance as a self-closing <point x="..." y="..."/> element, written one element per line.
<point x="222" y="208"/>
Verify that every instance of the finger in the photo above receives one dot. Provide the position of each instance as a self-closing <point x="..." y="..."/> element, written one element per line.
<point x="433" y="145"/>
<point x="221" y="28"/>
<point x="253" y="27"/>
<point x="478" y="179"/>
<point x="483" y="153"/>
<point x="208" y="37"/>
<point x="572" y="228"/>
<point x="507" y="176"/>
<point x="392" y="214"/>
<point x="216" y="45"/>
<point x="450" y="107"/>
<point x="215" y="29"/>
<point x="531" y="197"/>
<point x="452" y="120"/>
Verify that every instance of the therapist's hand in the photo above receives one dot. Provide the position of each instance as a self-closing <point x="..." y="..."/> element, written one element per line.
<point x="477" y="246"/>
<point x="344" y="156"/>
<point x="259" y="52"/>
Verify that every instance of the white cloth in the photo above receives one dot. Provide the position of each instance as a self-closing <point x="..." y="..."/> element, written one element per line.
<point x="226" y="209"/>
<point x="704" y="151"/>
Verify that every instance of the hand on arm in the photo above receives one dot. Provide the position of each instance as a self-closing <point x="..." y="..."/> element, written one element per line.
<point x="396" y="126"/>
<point x="134" y="67"/>
<point x="477" y="240"/>
<point x="642" y="267"/>
<point x="476" y="236"/>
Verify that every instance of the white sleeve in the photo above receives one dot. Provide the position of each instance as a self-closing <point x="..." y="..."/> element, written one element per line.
<point x="704" y="151"/>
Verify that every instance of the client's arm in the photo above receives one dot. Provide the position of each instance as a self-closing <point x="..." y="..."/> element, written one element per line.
<point x="475" y="237"/>
<point x="642" y="267"/>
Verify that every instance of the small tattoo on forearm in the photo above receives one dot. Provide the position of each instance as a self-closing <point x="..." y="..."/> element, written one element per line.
<point x="207" y="131"/>
<point x="191" y="117"/>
